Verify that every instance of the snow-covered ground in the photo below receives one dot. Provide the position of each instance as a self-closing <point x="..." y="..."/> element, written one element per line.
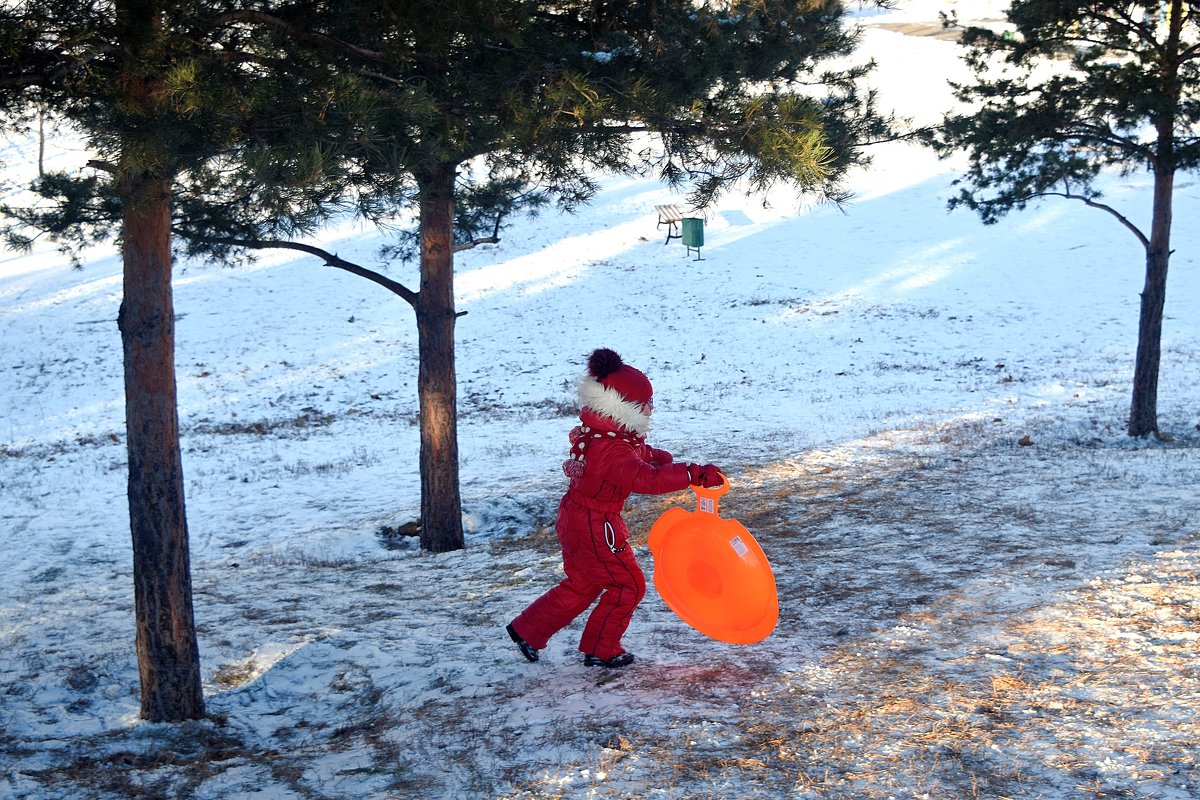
<point x="986" y="588"/>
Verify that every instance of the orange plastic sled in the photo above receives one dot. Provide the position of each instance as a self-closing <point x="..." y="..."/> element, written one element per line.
<point x="712" y="573"/>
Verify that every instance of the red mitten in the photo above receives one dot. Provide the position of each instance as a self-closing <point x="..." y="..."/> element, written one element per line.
<point x="708" y="475"/>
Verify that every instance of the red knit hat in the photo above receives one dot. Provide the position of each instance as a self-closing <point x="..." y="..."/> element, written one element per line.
<point x="616" y="390"/>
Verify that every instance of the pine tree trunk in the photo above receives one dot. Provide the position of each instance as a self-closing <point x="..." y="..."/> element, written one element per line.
<point x="441" y="503"/>
<point x="41" y="142"/>
<point x="1143" y="413"/>
<point x="168" y="658"/>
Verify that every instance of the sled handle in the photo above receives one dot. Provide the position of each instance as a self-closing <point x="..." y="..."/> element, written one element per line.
<point x="708" y="498"/>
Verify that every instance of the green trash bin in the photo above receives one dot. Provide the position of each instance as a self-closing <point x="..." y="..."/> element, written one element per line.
<point x="692" y="233"/>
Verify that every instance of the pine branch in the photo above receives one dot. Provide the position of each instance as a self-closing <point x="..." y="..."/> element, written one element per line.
<point x="1090" y="133"/>
<point x="1068" y="194"/>
<point x="471" y="245"/>
<point x="330" y="259"/>
<point x="21" y="81"/>
<point x="921" y="134"/>
<point x="379" y="76"/>
<point x="300" y="35"/>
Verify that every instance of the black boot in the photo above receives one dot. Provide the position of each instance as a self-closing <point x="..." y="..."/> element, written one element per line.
<point x="619" y="660"/>
<point x="529" y="651"/>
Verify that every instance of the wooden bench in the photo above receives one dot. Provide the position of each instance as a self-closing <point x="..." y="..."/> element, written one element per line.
<point x="670" y="216"/>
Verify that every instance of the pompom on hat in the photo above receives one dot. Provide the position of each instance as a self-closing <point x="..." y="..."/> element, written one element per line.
<point x="616" y="390"/>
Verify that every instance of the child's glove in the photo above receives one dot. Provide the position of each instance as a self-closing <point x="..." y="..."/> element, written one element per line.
<point x="707" y="476"/>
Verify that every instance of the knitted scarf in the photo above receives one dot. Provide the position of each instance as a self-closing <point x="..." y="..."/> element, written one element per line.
<point x="580" y="436"/>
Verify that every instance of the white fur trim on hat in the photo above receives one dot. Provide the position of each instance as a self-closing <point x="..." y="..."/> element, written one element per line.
<point x="610" y="403"/>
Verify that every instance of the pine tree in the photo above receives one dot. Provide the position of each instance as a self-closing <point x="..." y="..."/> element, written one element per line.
<point x="472" y="110"/>
<point x="162" y="93"/>
<point x="480" y="108"/>
<point x="1076" y="89"/>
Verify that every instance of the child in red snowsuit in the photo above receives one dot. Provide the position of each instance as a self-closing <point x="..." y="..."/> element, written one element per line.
<point x="609" y="461"/>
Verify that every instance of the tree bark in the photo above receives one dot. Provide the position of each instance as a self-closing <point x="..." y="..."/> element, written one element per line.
<point x="441" y="502"/>
<point x="41" y="143"/>
<point x="1143" y="412"/>
<point x="168" y="657"/>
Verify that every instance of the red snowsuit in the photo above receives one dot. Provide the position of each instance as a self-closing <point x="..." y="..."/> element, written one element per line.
<point x="595" y="547"/>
